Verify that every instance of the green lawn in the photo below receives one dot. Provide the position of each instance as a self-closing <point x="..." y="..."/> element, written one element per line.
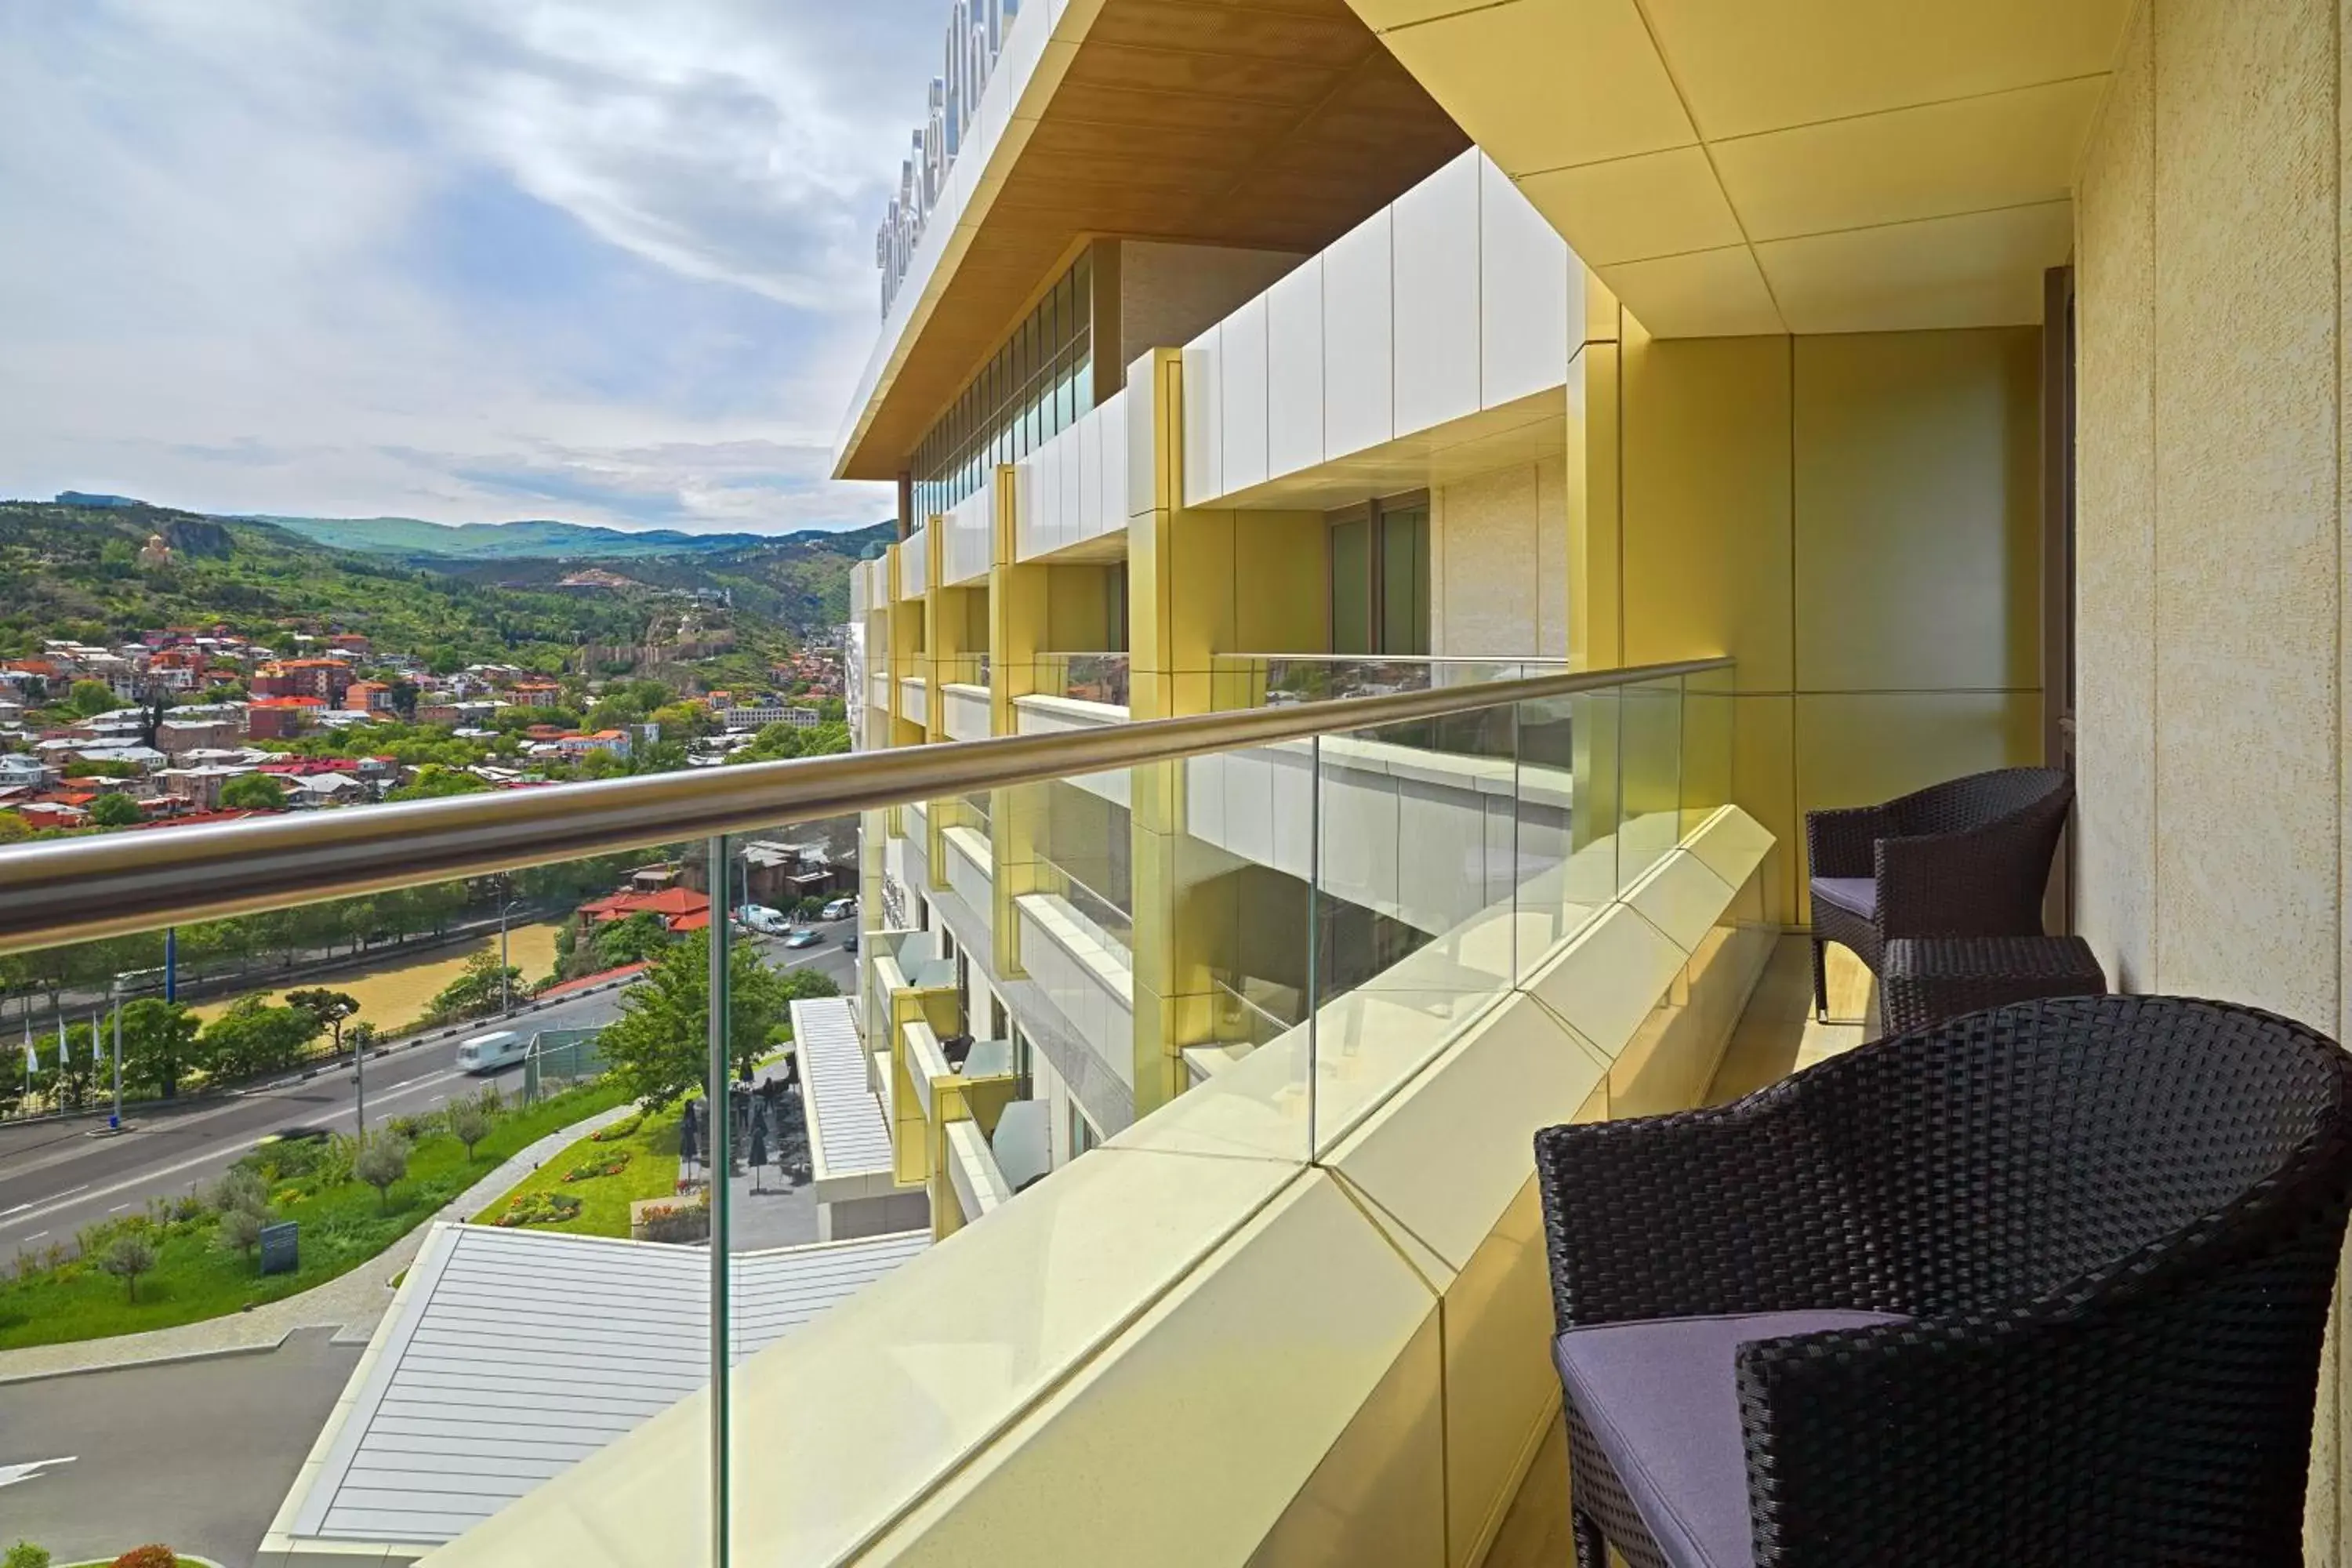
<point x="343" y="1226"/>
<point x="651" y="1172"/>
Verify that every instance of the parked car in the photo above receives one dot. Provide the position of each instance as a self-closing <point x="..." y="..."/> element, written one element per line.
<point x="840" y="909"/>
<point x="488" y="1053"/>
<point x="803" y="937"/>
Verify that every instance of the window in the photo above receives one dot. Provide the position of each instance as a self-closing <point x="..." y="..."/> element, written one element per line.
<point x="1083" y="1136"/>
<point x="996" y="1028"/>
<point x="1380" y="577"/>
<point x="1036" y="384"/>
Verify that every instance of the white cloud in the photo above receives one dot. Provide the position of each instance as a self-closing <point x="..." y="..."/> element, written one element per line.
<point x="610" y="262"/>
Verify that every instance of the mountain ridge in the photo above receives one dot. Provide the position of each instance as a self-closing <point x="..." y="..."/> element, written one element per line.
<point x="520" y="538"/>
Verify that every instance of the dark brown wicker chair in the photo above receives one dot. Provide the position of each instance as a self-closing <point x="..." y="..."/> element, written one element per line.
<point x="2041" y="1284"/>
<point x="1968" y="857"/>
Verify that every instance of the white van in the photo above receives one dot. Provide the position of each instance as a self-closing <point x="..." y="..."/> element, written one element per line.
<point x="760" y="918"/>
<point x="488" y="1053"/>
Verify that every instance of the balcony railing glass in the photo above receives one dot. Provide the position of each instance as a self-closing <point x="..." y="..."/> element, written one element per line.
<point x="1223" y="941"/>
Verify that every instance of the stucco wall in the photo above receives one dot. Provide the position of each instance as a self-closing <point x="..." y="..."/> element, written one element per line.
<point x="1498" y="564"/>
<point x="2209" y="229"/>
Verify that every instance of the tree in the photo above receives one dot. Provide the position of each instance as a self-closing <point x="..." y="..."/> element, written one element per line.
<point x="90" y="698"/>
<point x="158" y="1043"/>
<point x="12" y="827"/>
<point x="253" y="792"/>
<point x="433" y="781"/>
<point x="131" y="1256"/>
<point x="382" y="1161"/>
<point x="254" y="1038"/>
<point x="151" y="711"/>
<point x="113" y="809"/>
<point x="482" y="986"/>
<point x="470" y="1123"/>
<point x="656" y="1047"/>
<point x="632" y="940"/>
<point x="403" y="700"/>
<point x="328" y="1007"/>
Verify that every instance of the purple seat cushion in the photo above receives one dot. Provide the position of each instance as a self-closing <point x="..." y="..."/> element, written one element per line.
<point x="1661" y="1400"/>
<point x="1855" y="895"/>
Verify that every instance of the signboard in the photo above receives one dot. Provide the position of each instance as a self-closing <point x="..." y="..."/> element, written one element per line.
<point x="976" y="30"/>
<point x="281" y="1250"/>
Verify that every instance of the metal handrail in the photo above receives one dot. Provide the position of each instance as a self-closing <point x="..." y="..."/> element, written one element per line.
<point x="112" y="884"/>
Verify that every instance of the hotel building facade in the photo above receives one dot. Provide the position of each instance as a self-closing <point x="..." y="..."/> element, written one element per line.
<point x="1895" y="390"/>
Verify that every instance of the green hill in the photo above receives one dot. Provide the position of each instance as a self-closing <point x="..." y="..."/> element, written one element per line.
<point x="511" y="541"/>
<point x="77" y="572"/>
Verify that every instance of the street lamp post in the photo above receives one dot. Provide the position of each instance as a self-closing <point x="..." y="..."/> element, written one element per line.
<point x="506" y="976"/>
<point x="115" y="1120"/>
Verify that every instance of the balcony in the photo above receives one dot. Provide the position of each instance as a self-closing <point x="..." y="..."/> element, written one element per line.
<point x="1562" y="915"/>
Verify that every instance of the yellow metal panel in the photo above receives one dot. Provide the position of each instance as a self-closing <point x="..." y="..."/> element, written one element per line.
<point x="1500" y="1391"/>
<point x="1601" y="311"/>
<point x="1603" y="987"/>
<point x="1918" y="514"/>
<point x="1764" y="783"/>
<point x="1681" y="896"/>
<point x="1379" y="1497"/>
<point x="1707" y="294"/>
<point x="1707" y="524"/>
<point x="1756" y="65"/>
<point x="1980" y="269"/>
<point x="1473" y="1112"/>
<point x="1972" y="154"/>
<point x="1856" y="748"/>
<point x="1731" y="843"/>
<point x="1546" y="84"/>
<point x="1281" y="575"/>
<point x="1596" y="638"/>
<point x="1225" y="1389"/>
<point x="1633" y="209"/>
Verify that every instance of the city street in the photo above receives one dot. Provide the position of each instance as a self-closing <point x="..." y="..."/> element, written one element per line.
<point x="196" y="1455"/>
<point x="55" y="1178"/>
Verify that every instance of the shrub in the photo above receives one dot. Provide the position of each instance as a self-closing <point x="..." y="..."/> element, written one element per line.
<point x="618" y="1131"/>
<point x="602" y="1165"/>
<point x="240" y="1189"/>
<point x="239" y="1231"/>
<point x="382" y="1161"/>
<point x="25" y="1555"/>
<point x="672" y="1222"/>
<point x="470" y="1123"/>
<point x="148" y="1557"/>
<point x="131" y="1256"/>
<point x="539" y="1208"/>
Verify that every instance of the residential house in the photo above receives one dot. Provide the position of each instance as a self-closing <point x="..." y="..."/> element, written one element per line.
<point x="282" y="717"/>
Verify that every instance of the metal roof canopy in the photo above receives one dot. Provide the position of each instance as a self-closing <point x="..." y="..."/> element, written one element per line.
<point x="510" y="1355"/>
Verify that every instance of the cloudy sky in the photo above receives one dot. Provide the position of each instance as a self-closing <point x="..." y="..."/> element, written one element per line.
<point x="602" y="261"/>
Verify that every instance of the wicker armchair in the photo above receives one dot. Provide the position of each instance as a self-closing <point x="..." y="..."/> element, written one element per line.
<point x="2045" y="1284"/>
<point x="1967" y="857"/>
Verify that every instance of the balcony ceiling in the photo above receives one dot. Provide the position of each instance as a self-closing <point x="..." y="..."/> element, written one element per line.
<point x="1277" y="124"/>
<point x="1741" y="166"/>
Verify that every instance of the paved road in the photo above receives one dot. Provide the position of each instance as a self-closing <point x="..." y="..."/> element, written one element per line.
<point x="196" y="1455"/>
<point x="55" y="1178"/>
